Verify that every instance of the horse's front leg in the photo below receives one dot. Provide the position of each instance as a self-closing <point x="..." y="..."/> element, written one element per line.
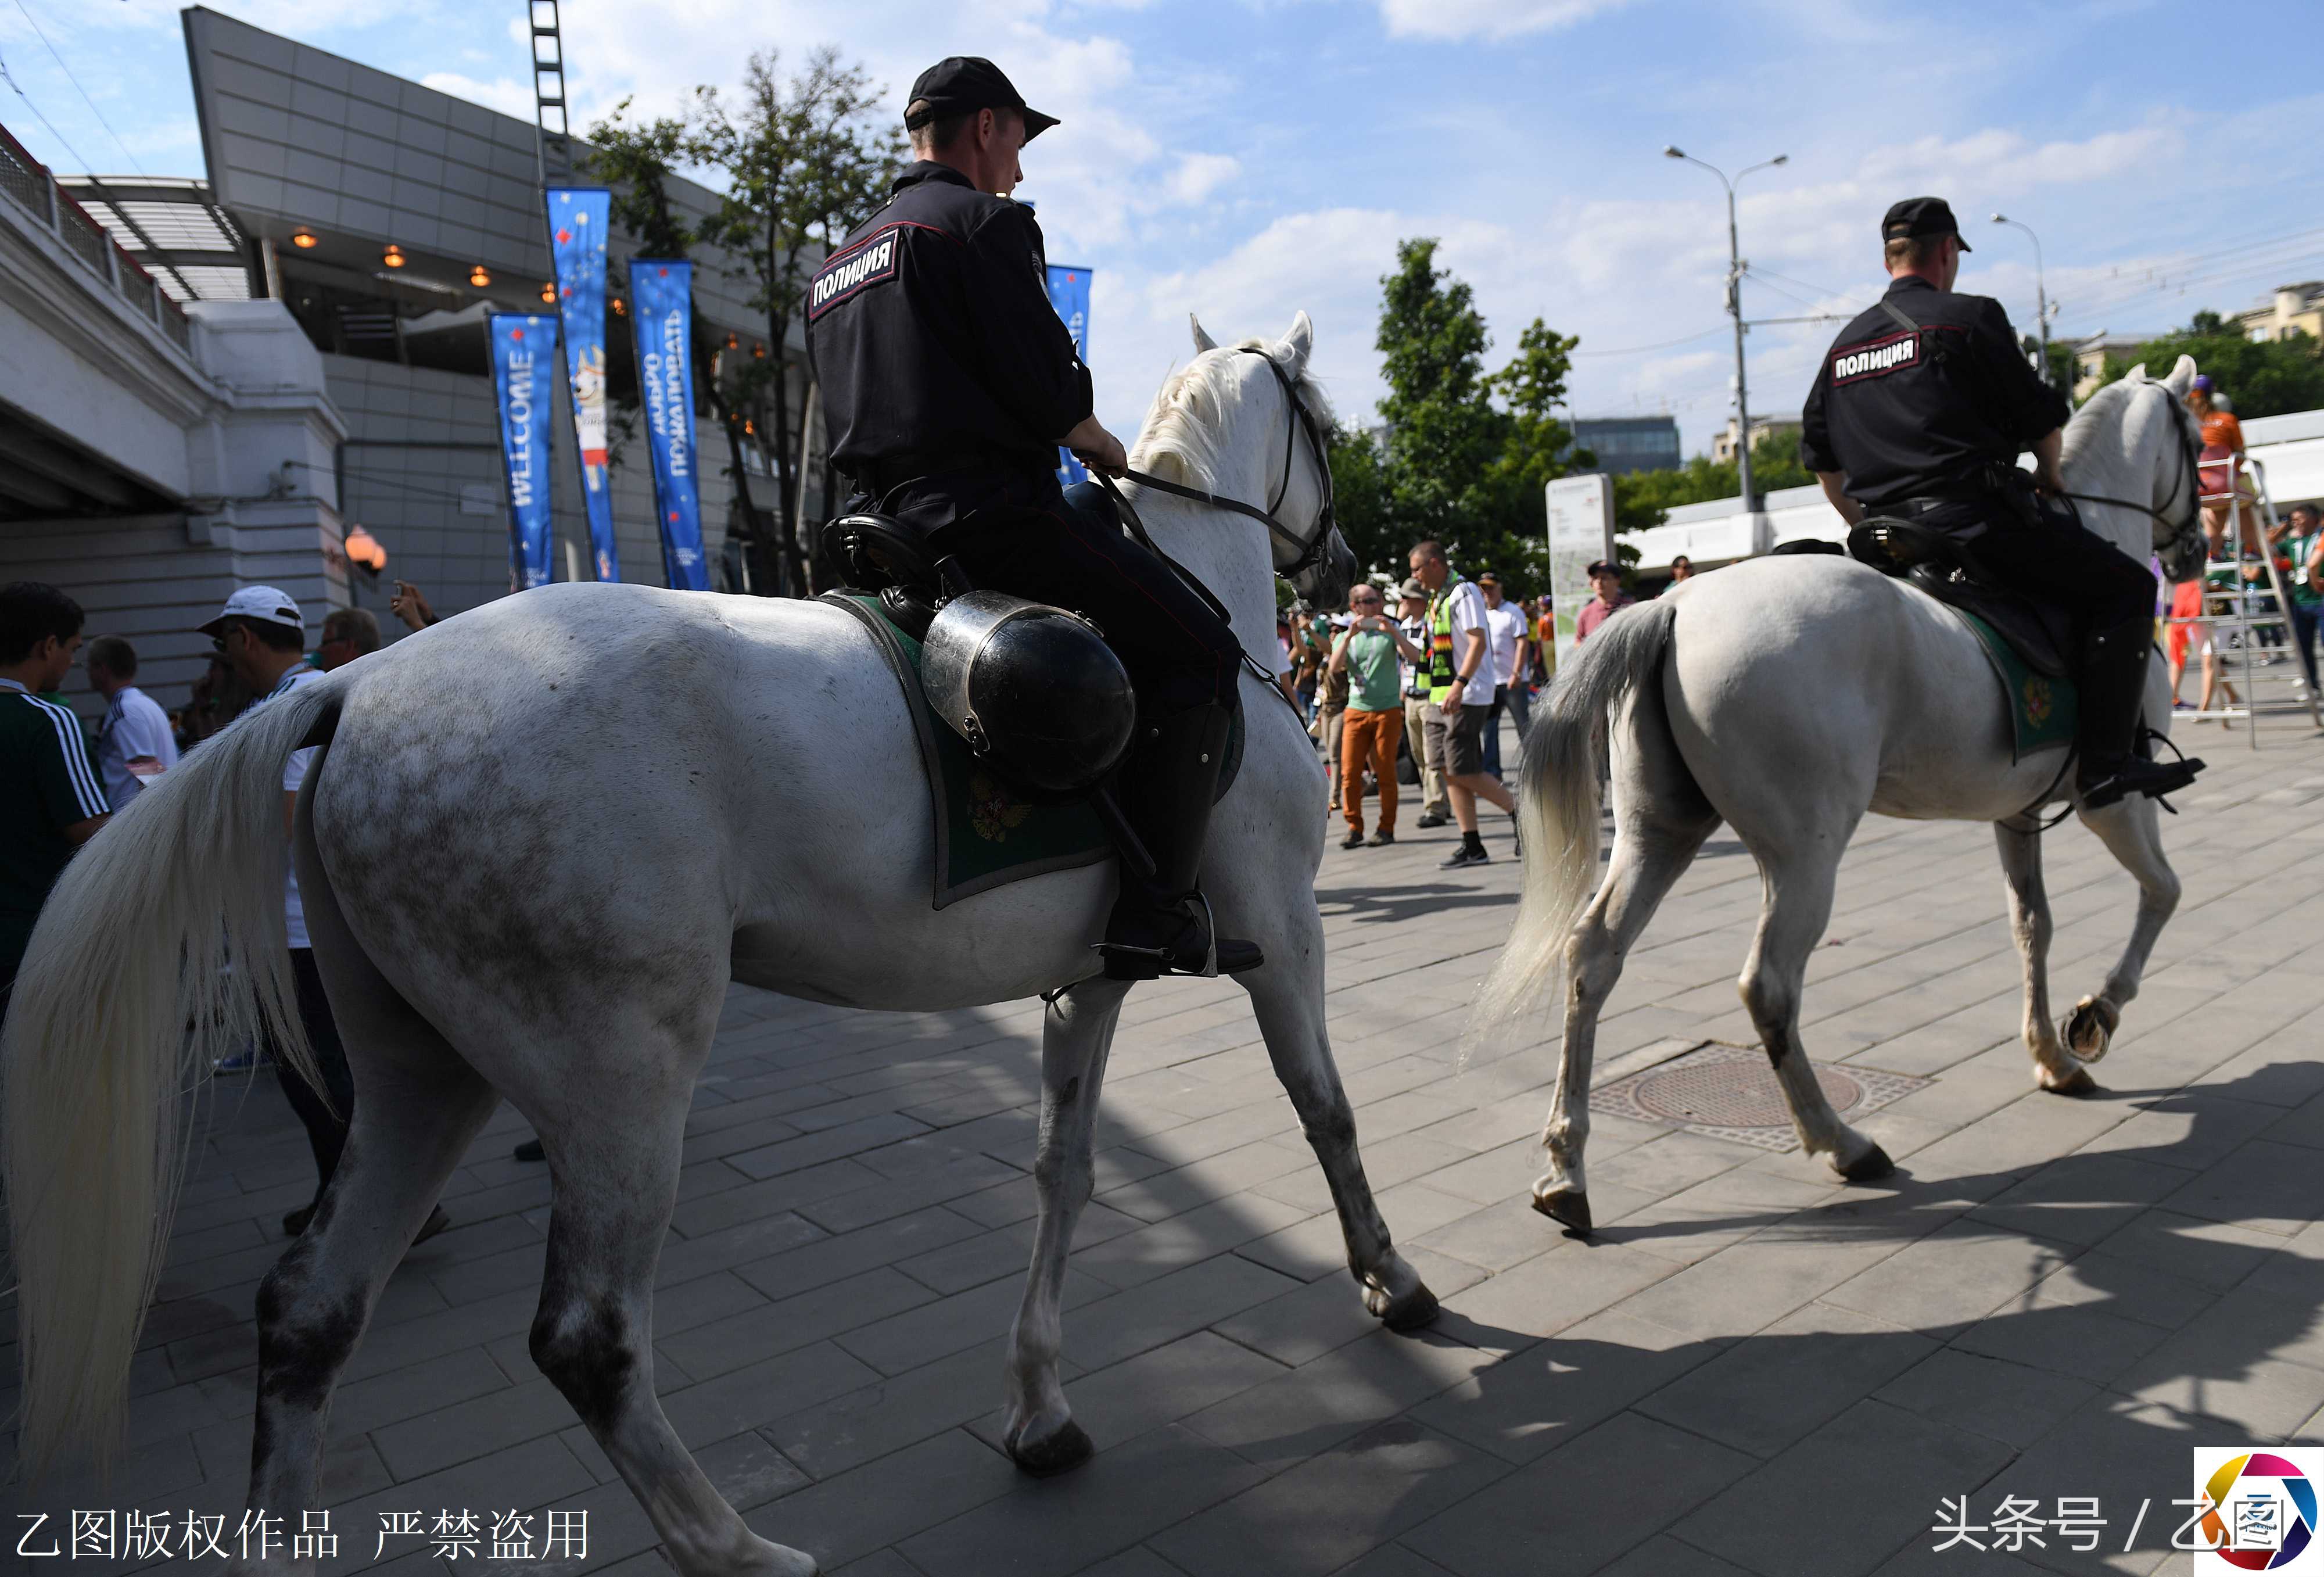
<point x="1075" y="1036"/>
<point x="2020" y="843"/>
<point x="2132" y="831"/>
<point x="1288" y="997"/>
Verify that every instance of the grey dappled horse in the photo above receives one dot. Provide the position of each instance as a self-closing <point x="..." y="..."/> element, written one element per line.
<point x="1787" y="696"/>
<point x="539" y="840"/>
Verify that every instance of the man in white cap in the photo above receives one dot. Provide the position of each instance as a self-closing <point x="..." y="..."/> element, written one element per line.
<point x="263" y="639"/>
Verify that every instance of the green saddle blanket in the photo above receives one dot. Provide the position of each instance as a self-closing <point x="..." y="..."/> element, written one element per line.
<point x="2042" y="710"/>
<point x="987" y="837"/>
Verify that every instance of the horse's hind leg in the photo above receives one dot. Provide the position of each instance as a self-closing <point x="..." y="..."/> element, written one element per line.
<point x="1651" y="850"/>
<point x="1288" y="997"/>
<point x="2132" y="830"/>
<point x="1076" y="1034"/>
<point x="614" y="1140"/>
<point x="1791" y="918"/>
<point x="418" y="1104"/>
<point x="2029" y="923"/>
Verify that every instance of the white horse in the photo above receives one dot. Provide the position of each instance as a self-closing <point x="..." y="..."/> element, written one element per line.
<point x="540" y="839"/>
<point x="1787" y="696"/>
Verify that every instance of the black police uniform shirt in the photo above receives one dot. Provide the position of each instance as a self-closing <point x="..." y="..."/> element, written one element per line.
<point x="939" y="355"/>
<point x="1928" y="414"/>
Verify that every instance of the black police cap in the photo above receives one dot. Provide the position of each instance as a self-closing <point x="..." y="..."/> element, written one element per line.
<point x="1921" y="216"/>
<point x="962" y="84"/>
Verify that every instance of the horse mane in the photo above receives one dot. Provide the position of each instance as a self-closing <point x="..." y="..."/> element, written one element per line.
<point x="2101" y="413"/>
<point x="1185" y="425"/>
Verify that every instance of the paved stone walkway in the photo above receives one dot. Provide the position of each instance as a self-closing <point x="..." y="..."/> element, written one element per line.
<point x="1750" y="1369"/>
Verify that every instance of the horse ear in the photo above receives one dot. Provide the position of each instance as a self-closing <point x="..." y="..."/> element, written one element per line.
<point x="2183" y="376"/>
<point x="1298" y="343"/>
<point x="1202" y="341"/>
<point x="2137" y="374"/>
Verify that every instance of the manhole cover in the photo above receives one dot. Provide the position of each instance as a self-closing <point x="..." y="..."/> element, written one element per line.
<point x="1730" y="1092"/>
<point x="1734" y="1093"/>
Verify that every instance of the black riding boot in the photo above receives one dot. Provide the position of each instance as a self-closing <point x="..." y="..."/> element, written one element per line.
<point x="1162" y="924"/>
<point x="2112" y="680"/>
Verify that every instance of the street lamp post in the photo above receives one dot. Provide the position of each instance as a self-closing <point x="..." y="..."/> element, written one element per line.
<point x="1735" y="309"/>
<point x="2040" y="291"/>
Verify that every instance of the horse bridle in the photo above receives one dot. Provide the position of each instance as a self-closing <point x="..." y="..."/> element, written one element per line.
<point x="1309" y="549"/>
<point x="2188" y="468"/>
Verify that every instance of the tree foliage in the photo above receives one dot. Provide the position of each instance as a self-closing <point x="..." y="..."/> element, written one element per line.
<point x="1642" y="498"/>
<point x="1465" y="452"/>
<point x="799" y="163"/>
<point x="802" y="162"/>
<point x="2264" y="377"/>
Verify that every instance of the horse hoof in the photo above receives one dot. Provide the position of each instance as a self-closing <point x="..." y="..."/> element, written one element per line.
<point x="1060" y="1451"/>
<point x="2089" y="1029"/>
<point x="1570" y="1206"/>
<point x="1415" y="1310"/>
<point x="2076" y="1083"/>
<point x="1872" y="1164"/>
<point x="773" y="1560"/>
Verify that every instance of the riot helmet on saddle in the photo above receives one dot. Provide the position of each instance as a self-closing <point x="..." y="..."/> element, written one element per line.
<point x="948" y="385"/>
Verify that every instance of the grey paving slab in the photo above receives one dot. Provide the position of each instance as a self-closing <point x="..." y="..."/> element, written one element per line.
<point x="1751" y="1367"/>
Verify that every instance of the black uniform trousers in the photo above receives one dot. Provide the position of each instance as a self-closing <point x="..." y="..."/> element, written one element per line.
<point x="2051" y="560"/>
<point x="326" y="1121"/>
<point x="1180" y="654"/>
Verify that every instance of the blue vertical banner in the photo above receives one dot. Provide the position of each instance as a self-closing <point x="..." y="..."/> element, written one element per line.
<point x="524" y="353"/>
<point x="1069" y="295"/>
<point x="661" y="311"/>
<point x="579" y="216"/>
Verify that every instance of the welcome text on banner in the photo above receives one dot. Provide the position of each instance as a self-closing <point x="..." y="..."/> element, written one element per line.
<point x="524" y="346"/>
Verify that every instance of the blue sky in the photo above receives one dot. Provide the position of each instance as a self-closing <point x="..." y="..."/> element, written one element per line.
<point x="1248" y="160"/>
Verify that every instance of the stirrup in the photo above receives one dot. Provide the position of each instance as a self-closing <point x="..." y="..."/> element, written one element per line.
<point x="2161" y="777"/>
<point x="1226" y="955"/>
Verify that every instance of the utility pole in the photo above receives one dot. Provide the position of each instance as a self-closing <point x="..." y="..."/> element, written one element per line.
<point x="1735" y="266"/>
<point x="2040" y="291"/>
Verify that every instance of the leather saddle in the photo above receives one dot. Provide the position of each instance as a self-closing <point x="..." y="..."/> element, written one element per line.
<point x="2039" y="632"/>
<point x="881" y="554"/>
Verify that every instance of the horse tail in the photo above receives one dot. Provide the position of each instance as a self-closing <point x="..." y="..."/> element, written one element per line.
<point x="1559" y="803"/>
<point x="161" y="948"/>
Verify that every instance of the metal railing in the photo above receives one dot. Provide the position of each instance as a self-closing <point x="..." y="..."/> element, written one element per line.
<point x="25" y="179"/>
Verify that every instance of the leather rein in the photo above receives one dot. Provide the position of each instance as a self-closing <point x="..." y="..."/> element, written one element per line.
<point x="1310" y="548"/>
<point x="2181" y="530"/>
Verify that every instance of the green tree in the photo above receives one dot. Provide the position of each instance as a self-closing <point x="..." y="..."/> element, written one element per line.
<point x="1467" y="452"/>
<point x="636" y="160"/>
<point x="1443" y="431"/>
<point x="1642" y="499"/>
<point x="1361" y="502"/>
<point x="802" y="162"/>
<point x="2265" y="377"/>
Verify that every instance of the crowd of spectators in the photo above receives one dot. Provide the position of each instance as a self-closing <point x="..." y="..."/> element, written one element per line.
<point x="62" y="785"/>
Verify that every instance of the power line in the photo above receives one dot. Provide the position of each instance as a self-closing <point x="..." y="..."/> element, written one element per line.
<point x="63" y="141"/>
<point x="1632" y="350"/>
<point x="99" y="113"/>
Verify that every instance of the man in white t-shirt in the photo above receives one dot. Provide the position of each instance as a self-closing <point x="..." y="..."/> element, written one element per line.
<point x="263" y="639"/>
<point x="1460" y="683"/>
<point x="134" y="744"/>
<point x="1505" y="628"/>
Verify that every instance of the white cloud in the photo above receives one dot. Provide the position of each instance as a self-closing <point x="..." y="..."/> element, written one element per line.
<point x="1492" y="19"/>
<point x="1199" y="175"/>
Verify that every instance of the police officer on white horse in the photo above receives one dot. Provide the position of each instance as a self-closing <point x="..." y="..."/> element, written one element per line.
<point x="1919" y="412"/>
<point x="948" y="382"/>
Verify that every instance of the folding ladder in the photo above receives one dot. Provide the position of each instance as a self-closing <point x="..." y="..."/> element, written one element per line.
<point x="2239" y="611"/>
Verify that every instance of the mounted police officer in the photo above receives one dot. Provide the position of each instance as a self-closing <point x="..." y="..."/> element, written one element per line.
<point x="948" y="382"/>
<point x="1919" y="412"/>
